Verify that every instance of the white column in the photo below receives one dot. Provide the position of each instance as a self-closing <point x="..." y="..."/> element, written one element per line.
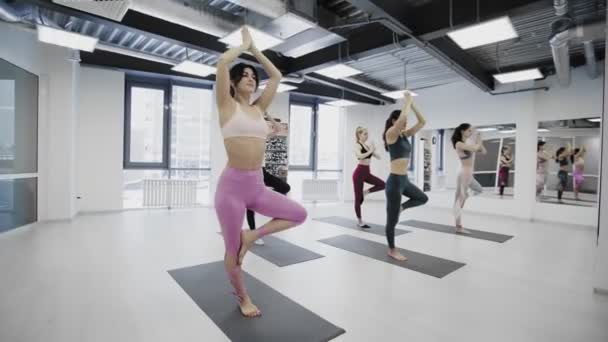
<point x="601" y="262"/>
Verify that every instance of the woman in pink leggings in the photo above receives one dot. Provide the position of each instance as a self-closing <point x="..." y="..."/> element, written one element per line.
<point x="241" y="185"/>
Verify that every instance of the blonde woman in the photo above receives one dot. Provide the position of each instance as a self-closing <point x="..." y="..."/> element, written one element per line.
<point x="362" y="174"/>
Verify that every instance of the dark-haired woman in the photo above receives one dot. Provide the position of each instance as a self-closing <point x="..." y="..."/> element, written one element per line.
<point x="465" y="180"/>
<point x="396" y="142"/>
<point x="542" y="157"/>
<point x="562" y="157"/>
<point x="362" y="173"/>
<point x="506" y="161"/>
<point x="241" y="185"/>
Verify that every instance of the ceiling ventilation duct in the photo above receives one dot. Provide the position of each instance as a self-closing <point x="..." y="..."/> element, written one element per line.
<point x="111" y="9"/>
<point x="565" y="34"/>
<point x="190" y="14"/>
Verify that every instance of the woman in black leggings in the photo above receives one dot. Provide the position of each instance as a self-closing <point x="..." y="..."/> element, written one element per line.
<point x="278" y="185"/>
<point x="397" y="144"/>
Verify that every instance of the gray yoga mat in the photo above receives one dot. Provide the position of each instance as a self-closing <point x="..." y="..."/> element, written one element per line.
<point x="423" y="263"/>
<point x="282" y="319"/>
<point x="567" y="201"/>
<point x="352" y="224"/>
<point x="281" y="252"/>
<point x="442" y="228"/>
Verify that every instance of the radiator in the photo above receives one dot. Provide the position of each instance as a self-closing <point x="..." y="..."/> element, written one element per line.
<point x="169" y="193"/>
<point x="320" y="190"/>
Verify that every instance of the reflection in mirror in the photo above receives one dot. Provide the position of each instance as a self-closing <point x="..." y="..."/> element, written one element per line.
<point x="493" y="168"/>
<point x="568" y="160"/>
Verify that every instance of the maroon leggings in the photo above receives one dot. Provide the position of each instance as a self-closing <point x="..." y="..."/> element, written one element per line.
<point x="360" y="176"/>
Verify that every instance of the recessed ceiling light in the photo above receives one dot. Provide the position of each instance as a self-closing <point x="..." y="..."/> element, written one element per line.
<point x="67" y="39"/>
<point x="262" y="40"/>
<point x="488" y="32"/>
<point x="341" y="103"/>
<point x="193" y="68"/>
<point x="595" y="120"/>
<point x="516" y="76"/>
<point x="487" y="129"/>
<point x="397" y="94"/>
<point x="338" y="71"/>
<point x="282" y="87"/>
<point x="543" y="130"/>
<point x="507" y="131"/>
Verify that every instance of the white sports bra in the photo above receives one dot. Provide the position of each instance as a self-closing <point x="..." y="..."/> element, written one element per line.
<point x="242" y="125"/>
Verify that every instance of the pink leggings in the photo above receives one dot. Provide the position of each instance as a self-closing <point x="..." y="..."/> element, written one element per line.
<point x="237" y="191"/>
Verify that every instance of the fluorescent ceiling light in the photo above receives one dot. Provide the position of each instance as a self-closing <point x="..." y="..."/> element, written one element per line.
<point x="262" y="40"/>
<point x="487" y="129"/>
<point x="488" y="32"/>
<point x="288" y="25"/>
<point x="338" y="71"/>
<point x="543" y="130"/>
<point x="516" y="76"/>
<point x="66" y="39"/>
<point x="192" y="68"/>
<point x="341" y="103"/>
<point x="282" y="87"/>
<point x="507" y="131"/>
<point x="397" y="94"/>
<point x="595" y="120"/>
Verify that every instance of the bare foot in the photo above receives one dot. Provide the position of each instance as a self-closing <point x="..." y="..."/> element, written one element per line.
<point x="395" y="254"/>
<point x="365" y="193"/>
<point x="248" y="309"/>
<point x="460" y="230"/>
<point x="247" y="239"/>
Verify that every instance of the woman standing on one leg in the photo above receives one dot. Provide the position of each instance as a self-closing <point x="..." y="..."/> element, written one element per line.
<point x="561" y="157"/>
<point x="579" y="168"/>
<point x="506" y="161"/>
<point x="241" y="185"/>
<point x="542" y="157"/>
<point x="465" y="178"/>
<point x="397" y="144"/>
<point x="362" y="173"/>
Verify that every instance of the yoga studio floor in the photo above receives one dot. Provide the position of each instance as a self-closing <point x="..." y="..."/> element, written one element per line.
<point x="106" y="278"/>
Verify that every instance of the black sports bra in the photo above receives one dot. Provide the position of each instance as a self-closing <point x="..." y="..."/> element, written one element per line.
<point x="363" y="151"/>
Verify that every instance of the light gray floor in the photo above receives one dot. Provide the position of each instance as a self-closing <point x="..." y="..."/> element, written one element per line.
<point x="104" y="278"/>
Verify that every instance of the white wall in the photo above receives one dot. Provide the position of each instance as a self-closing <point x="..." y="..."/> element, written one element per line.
<point x="448" y="106"/>
<point x="601" y="264"/>
<point x="58" y="84"/>
<point x="100" y="140"/>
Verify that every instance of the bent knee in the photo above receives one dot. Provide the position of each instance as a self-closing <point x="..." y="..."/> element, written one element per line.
<point x="424" y="198"/>
<point x="299" y="215"/>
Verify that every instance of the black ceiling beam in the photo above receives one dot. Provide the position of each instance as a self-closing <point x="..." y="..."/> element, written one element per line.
<point x="124" y="63"/>
<point x="330" y="92"/>
<point x="354" y="88"/>
<point x="138" y="23"/>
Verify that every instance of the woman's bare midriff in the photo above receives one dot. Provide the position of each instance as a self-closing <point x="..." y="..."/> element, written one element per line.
<point x="400" y="166"/>
<point x="365" y="162"/>
<point x="245" y="153"/>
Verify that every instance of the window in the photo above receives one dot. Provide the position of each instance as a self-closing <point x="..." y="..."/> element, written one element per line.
<point x="190" y="127"/>
<point x="301" y="136"/>
<point x="313" y="142"/>
<point x="146" y="126"/>
<point x="328" y="142"/>
<point x="167" y="136"/>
